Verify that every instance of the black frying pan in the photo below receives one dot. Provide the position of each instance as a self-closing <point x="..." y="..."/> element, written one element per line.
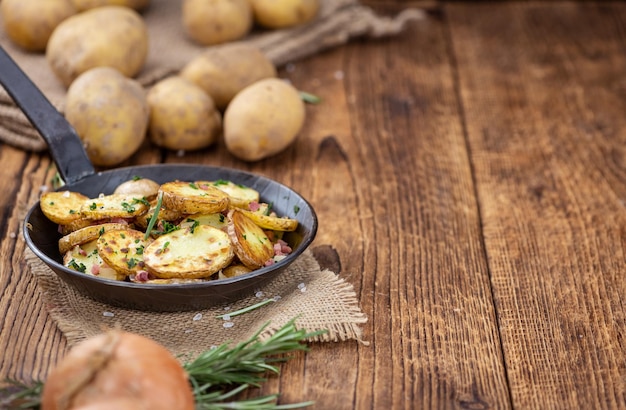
<point x="79" y="175"/>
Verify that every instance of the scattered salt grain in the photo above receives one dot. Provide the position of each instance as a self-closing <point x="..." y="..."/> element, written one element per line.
<point x="259" y="294"/>
<point x="277" y="298"/>
<point x="338" y="75"/>
<point x="228" y="324"/>
<point x="66" y="194"/>
<point x="43" y="188"/>
<point x="197" y="317"/>
<point x="302" y="287"/>
<point x="180" y="153"/>
<point x="108" y="314"/>
<point x="227" y="308"/>
<point x="226" y="317"/>
<point x="188" y="330"/>
<point x="12" y="235"/>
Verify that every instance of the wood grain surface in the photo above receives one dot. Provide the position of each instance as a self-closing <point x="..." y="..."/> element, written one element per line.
<point x="469" y="176"/>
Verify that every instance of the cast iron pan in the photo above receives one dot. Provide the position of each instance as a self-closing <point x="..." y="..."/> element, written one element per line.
<point x="79" y="175"/>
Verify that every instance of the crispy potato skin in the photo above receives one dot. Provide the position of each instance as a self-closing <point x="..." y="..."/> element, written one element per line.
<point x="276" y="14"/>
<point x="110" y="114"/>
<point x="30" y="23"/>
<point x="263" y="119"/>
<point x="111" y="36"/>
<point x="210" y="22"/>
<point x="223" y="71"/>
<point x="182" y="115"/>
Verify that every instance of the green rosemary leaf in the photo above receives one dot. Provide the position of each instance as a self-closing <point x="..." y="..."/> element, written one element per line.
<point x="18" y="395"/>
<point x="154" y="217"/>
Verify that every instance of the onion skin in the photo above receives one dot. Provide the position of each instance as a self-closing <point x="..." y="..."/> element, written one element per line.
<point x="118" y="370"/>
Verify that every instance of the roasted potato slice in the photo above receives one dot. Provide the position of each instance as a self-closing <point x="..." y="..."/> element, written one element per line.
<point x="240" y="196"/>
<point x="86" y="234"/>
<point x="192" y="197"/>
<point x="142" y="187"/>
<point x="234" y="270"/>
<point x="272" y="223"/>
<point x="114" y="206"/>
<point x="251" y="244"/>
<point x="189" y="255"/>
<point x="123" y="250"/>
<point x="165" y="214"/>
<point x="86" y="259"/>
<point x="62" y="207"/>
<point x="218" y="221"/>
<point x="173" y="281"/>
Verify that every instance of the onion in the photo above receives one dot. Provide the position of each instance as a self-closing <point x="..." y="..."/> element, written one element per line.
<point x="118" y="370"/>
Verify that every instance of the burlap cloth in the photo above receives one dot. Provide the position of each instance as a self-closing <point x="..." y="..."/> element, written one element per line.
<point x="337" y="22"/>
<point x="317" y="298"/>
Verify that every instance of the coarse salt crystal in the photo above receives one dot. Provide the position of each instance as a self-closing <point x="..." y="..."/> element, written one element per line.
<point x="108" y="314"/>
<point x="277" y="298"/>
<point x="303" y="289"/>
<point x="338" y="75"/>
<point x="259" y="294"/>
<point x="180" y="153"/>
<point x="188" y="330"/>
<point x="226" y="317"/>
<point x="197" y="317"/>
<point x="301" y="286"/>
<point x="12" y="235"/>
<point x="228" y="324"/>
<point x="227" y="308"/>
<point x="66" y="194"/>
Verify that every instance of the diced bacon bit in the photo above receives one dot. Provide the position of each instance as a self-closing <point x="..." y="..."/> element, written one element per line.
<point x="254" y="206"/>
<point x="60" y="229"/>
<point x="281" y="248"/>
<point x="269" y="262"/>
<point x="81" y="251"/>
<point x="95" y="269"/>
<point x="142" y="276"/>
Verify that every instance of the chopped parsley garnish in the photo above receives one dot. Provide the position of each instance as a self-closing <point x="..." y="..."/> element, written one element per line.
<point x="296" y="209"/>
<point x="77" y="266"/>
<point x="192" y="185"/>
<point x="132" y="262"/>
<point x="93" y="206"/>
<point x="128" y="207"/>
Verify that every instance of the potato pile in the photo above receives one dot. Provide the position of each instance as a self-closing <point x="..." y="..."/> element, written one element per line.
<point x="170" y="233"/>
<point x="231" y="90"/>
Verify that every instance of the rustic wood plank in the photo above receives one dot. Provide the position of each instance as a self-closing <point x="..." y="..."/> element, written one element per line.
<point x="543" y="93"/>
<point x="393" y="161"/>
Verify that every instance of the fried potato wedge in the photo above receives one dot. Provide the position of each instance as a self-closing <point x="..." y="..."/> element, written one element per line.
<point x="86" y="259"/>
<point x="192" y="198"/>
<point x="218" y="221"/>
<point x="272" y="223"/>
<point x="173" y="281"/>
<point x="114" y="206"/>
<point x="240" y="196"/>
<point x="189" y="255"/>
<point x="252" y="246"/>
<point x="123" y="250"/>
<point x="86" y="234"/>
<point x="62" y="207"/>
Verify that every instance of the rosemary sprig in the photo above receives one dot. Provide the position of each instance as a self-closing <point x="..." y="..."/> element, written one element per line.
<point x="18" y="395"/>
<point x="247" y="362"/>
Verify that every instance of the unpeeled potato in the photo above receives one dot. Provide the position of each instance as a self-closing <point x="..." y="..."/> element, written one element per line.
<point x="110" y="114"/>
<point x="263" y="119"/>
<point x="29" y="23"/>
<point x="223" y="71"/>
<point x="210" y="22"/>
<point x="276" y="14"/>
<point x="111" y="36"/>
<point x="90" y="4"/>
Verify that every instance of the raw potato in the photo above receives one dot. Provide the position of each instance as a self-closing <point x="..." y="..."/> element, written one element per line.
<point x="90" y="4"/>
<point x="223" y="71"/>
<point x="263" y="119"/>
<point x="182" y="115"/>
<point x="110" y="114"/>
<point x="29" y="23"/>
<point x="275" y="14"/>
<point x="111" y="36"/>
<point x="211" y="22"/>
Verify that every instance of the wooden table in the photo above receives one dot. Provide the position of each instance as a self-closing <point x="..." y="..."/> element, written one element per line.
<point x="470" y="174"/>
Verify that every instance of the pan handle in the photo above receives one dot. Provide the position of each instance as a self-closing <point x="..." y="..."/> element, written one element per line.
<point x="65" y="146"/>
